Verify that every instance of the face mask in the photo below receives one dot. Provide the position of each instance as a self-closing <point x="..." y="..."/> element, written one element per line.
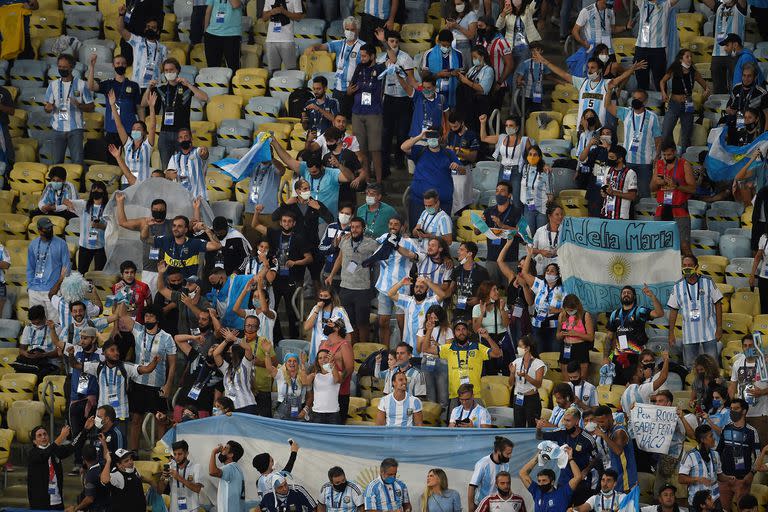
<point x="685" y="65"/>
<point x="185" y="144"/>
<point x="605" y="139"/>
<point x="590" y="426"/>
<point x="136" y="135"/>
<point x="611" y="161"/>
<point x="170" y="77"/>
<point x="551" y="278"/>
<point x="521" y="352"/>
<point x="510" y="130"/>
<point x="150" y="325"/>
<point x="216" y="411"/>
<point x="98" y="422"/>
<point x="57" y="185"/>
<point x="481" y="33"/>
<point x="571" y="430"/>
<point x="305" y="195"/>
<point x="463" y="261"/>
<point x="129" y="470"/>
<point x="571" y="312"/>
<point x="150" y="33"/>
<point x="689" y="271"/>
<point x="736" y="416"/>
<point x="389" y="480"/>
<point x="326" y="301"/>
<point x="637" y="104"/>
<point x="460" y="8"/>
<point x="64" y="73"/>
<point x="445" y="50"/>
<point x="670" y="160"/>
<point x="606" y="493"/>
<point x="158" y="215"/>
<point x="340" y="487"/>
<point x="350" y="35"/>
<point x="429" y="94"/>
<point x="594" y="76"/>
<point x="433" y="143"/>
<point x="370" y="200"/>
<point x="344" y="218"/>
<point x="750" y="126"/>
<point x="420" y="296"/>
<point x="603" y="58"/>
<point x="431" y="210"/>
<point x="222" y="458"/>
<point x="545" y="488"/>
<point x="328" y="367"/>
<point x="733" y="53"/>
<point x="327" y="330"/>
<point x="533" y="159"/>
<point x="476" y="62"/>
<point x="750" y="352"/>
<point x="120" y="70"/>
<point x="187" y="417"/>
<point x="501" y="199"/>
<point x="716" y="404"/>
<point x="517" y="3"/>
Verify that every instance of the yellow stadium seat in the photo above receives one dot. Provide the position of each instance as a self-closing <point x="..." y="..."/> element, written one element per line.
<point x="357" y="405"/>
<point x="149" y="468"/>
<point x="552" y="360"/>
<point x="545" y="392"/>
<point x="17" y="276"/>
<point x="760" y="323"/>
<point x="94" y="125"/>
<point x="363" y="350"/>
<point x="45" y="24"/>
<point x="249" y="82"/>
<point x="197" y="56"/>
<point x="14" y="225"/>
<point x="495" y="394"/>
<point x="203" y="133"/>
<point x="610" y="395"/>
<point x="736" y="325"/>
<point x="21" y="385"/>
<point x="701" y="48"/>
<point x="59" y="225"/>
<point x="7" y="200"/>
<point x="60" y="401"/>
<point x="316" y="62"/>
<point x="280" y="131"/>
<point x="161" y="452"/>
<point x="224" y="106"/>
<point x="7" y="356"/>
<point x="23" y="416"/>
<point x="563" y="99"/>
<point x="219" y="186"/>
<point x="550" y="131"/>
<point x="74" y="171"/>
<point x="6" y="438"/>
<point x="624" y="47"/>
<point x="109" y="7"/>
<point x="746" y="302"/>
<point x="727" y="355"/>
<point x="168" y="32"/>
<point x="102" y="281"/>
<point x="690" y="23"/>
<point x="681" y="399"/>
<point x="431" y="414"/>
<point x="713" y="270"/>
<point x="28" y="177"/>
<point x="17" y="250"/>
<point x="760" y="491"/>
<point x="110" y="174"/>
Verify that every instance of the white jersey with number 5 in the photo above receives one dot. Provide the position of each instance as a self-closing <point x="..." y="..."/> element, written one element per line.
<point x="591" y="95"/>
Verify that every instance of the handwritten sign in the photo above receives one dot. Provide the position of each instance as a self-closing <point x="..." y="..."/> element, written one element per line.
<point x="652" y="427"/>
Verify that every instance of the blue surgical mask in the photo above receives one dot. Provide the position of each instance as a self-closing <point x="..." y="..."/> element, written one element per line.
<point x="431" y="210"/>
<point x="750" y="352"/>
<point x="57" y="185"/>
<point x="136" y="134"/>
<point x="445" y="50"/>
<point x="216" y="411"/>
<point x="433" y="143"/>
<point x="389" y="480"/>
<point x="716" y="403"/>
<point x="476" y="62"/>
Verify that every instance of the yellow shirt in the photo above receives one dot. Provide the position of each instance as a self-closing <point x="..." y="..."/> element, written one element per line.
<point x="464" y="365"/>
<point x="262" y="380"/>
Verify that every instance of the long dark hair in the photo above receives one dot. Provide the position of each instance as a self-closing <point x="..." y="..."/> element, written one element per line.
<point x="540" y="165"/>
<point x="676" y="68"/>
<point x="96" y="185"/>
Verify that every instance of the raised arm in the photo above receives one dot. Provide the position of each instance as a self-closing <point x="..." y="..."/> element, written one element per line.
<point x="122" y="220"/>
<point x="92" y="84"/>
<point x="537" y="56"/>
<point x="524" y="273"/>
<point x="124" y="33"/>
<point x="237" y="308"/>
<point x="287" y="159"/>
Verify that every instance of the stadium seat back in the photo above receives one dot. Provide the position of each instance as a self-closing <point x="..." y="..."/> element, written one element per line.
<point x="225" y="106"/>
<point x="235" y="133"/>
<point x="214" y="81"/>
<point x="249" y="84"/>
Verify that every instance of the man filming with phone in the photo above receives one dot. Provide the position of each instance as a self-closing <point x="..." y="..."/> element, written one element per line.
<point x="182" y="477"/>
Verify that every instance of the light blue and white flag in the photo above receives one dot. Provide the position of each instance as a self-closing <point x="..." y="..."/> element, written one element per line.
<point x="724" y="161"/>
<point x="241" y="169"/>
<point x="359" y="450"/>
<point x="598" y="257"/>
<point x="631" y="502"/>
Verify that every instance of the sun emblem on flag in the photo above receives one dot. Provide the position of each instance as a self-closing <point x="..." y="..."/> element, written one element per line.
<point x="619" y="269"/>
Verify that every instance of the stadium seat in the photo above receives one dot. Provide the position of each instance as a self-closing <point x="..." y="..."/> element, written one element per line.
<point x="83" y="25"/>
<point x="219" y="186"/>
<point x="735" y="246"/>
<point x="760" y="324"/>
<point x="282" y="87"/>
<point x="610" y="395"/>
<point x="235" y="133"/>
<point x="59" y="224"/>
<point x="565" y="98"/>
<point x="39" y="126"/>
<point x="262" y="109"/>
<point x="23" y="416"/>
<point x="178" y="50"/>
<point x="32" y="99"/>
<point x="544" y="125"/>
<point x="43" y="24"/>
<point x="17" y="124"/>
<point x="14" y="225"/>
<point x="20" y="386"/>
<point x="736" y="325"/>
<point x="624" y="47"/>
<point x="357" y="406"/>
<point x="60" y="401"/>
<point x="701" y="48"/>
<point x="552" y="360"/>
<point x="738" y="275"/>
<point x="485" y="175"/>
<point x="196" y="111"/>
<point x="563" y="179"/>
<point x="317" y="62"/>
<point x="7" y="200"/>
<point x="110" y="174"/>
<point x="249" y="82"/>
<point x="720" y="219"/>
<point x="714" y="107"/>
<point x="74" y="172"/>
<point x="745" y="302"/>
<point x="495" y="394"/>
<point x="728" y="353"/>
<point x="225" y="106"/>
<point x="189" y="72"/>
<point x="363" y="350"/>
<point x="431" y="414"/>
<point x="28" y="73"/>
<point x="214" y="81"/>
<point x="250" y="55"/>
<point x="712" y="269"/>
<point x="197" y="56"/>
<point x="555" y="149"/>
<point x="204" y="134"/>
<point x="230" y="210"/>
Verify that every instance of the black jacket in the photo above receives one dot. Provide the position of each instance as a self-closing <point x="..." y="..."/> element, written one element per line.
<point x="306" y="222"/>
<point x="37" y="473"/>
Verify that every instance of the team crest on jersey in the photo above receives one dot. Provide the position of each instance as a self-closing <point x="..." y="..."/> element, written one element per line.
<point x="347" y="499"/>
<point x="129" y="89"/>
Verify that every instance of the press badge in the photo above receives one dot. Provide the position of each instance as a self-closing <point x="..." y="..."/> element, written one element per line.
<point x="689" y="106"/>
<point x="149" y="74"/>
<point x="182" y="503"/>
<point x="154" y="254"/>
<point x="351" y="266"/>
<point x="82" y="385"/>
<point x="113" y="400"/>
<point x="531" y="205"/>
<point x="623" y="343"/>
<point x="668" y="195"/>
<point x="277" y="28"/>
<point x="461" y="302"/>
<point x="567" y="350"/>
<point x="64" y="115"/>
<point x="635" y="145"/>
<point x="53" y="489"/>
<point x="552" y="324"/>
<point x="194" y="331"/>
<point x="519" y="399"/>
<point x="739" y="463"/>
<point x="506" y="174"/>
<point x="365" y="98"/>
<point x="464" y="379"/>
<point x="517" y="312"/>
<point x="168" y="118"/>
<point x="294" y="411"/>
<point x="645" y="33"/>
<point x="220" y="16"/>
<point x="93" y="235"/>
<point x="695" y="315"/>
<point x="39" y="272"/>
<point x="610" y="204"/>
<point x="194" y="393"/>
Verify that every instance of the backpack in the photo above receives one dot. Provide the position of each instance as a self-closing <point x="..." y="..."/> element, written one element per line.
<point x="297" y="100"/>
<point x="123" y="372"/>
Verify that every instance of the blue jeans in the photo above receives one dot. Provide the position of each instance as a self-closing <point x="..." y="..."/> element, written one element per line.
<point x="327" y="7"/>
<point x="515" y="181"/>
<point x="675" y="111"/>
<point x="691" y="350"/>
<point x="63" y="140"/>
<point x="643" y="178"/>
<point x="534" y="218"/>
<point x="565" y="14"/>
<point x="167" y="145"/>
<point x="437" y="382"/>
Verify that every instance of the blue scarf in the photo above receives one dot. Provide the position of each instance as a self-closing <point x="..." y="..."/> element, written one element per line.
<point x="435" y="65"/>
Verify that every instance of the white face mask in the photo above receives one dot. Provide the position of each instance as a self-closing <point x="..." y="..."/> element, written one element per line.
<point x="685" y="65"/>
<point x="328" y="367"/>
<point x="350" y="35"/>
<point x="510" y="130"/>
<point x="370" y="200"/>
<point x="171" y="76"/>
<point x="590" y="426"/>
<point x="130" y="470"/>
<point x="462" y="261"/>
<point x="517" y="3"/>
<point x="521" y="352"/>
<point x="98" y="422"/>
<point x="460" y="8"/>
<point x="216" y="411"/>
<point x="305" y="195"/>
<point x="551" y="278"/>
<point x="594" y="76"/>
<point x="603" y="58"/>
<point x="344" y="218"/>
<point x="43" y="446"/>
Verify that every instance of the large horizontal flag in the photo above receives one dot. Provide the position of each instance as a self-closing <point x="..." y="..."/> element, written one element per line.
<point x="598" y="257"/>
<point x="725" y="161"/>
<point x="358" y="449"/>
<point x="241" y="169"/>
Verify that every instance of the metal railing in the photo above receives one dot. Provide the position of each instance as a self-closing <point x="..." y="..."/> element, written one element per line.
<point x="49" y="407"/>
<point x="297" y="303"/>
<point x="148" y="431"/>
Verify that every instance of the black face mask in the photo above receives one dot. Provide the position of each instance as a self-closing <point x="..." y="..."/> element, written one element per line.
<point x="120" y="70"/>
<point x="357" y="238"/>
<point x="327" y="330"/>
<point x="570" y="431"/>
<point x="185" y="144"/>
<point x="150" y="325"/>
<point x="159" y="215"/>
<point x="648" y="366"/>
<point x="46" y="233"/>
<point x="611" y="161"/>
<point x="545" y="488"/>
<point x="150" y="33"/>
<point x="670" y="160"/>
<point x="175" y="286"/>
<point x="637" y="104"/>
<point x="222" y="458"/>
<point x="204" y="328"/>
<point x="340" y="487"/>
<point x="420" y="296"/>
<point x="326" y="301"/>
<point x="287" y="231"/>
<point x="64" y="73"/>
<point x="332" y="147"/>
<point x="750" y="126"/>
<point x="736" y="416"/>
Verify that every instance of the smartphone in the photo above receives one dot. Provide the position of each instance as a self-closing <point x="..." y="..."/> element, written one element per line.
<point x="432" y="134"/>
<point x="166" y="467"/>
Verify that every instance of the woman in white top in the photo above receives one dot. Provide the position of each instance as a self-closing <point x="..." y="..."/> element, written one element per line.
<point x="516" y="20"/>
<point x="462" y="22"/>
<point x="434" y="369"/>
<point x="92" y="226"/>
<point x="589" y="126"/>
<point x="525" y="376"/>
<point x="761" y="278"/>
<point x="291" y="391"/>
<point x="511" y="150"/>
<point x="490" y="314"/>
<point x="237" y="372"/>
<point x="327" y="308"/>
<point x="325" y="380"/>
<point x="546" y="238"/>
<point x="138" y="145"/>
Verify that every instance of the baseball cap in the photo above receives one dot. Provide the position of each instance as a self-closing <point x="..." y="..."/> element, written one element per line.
<point x="89" y="331"/>
<point x="668" y="486"/>
<point x="731" y="38"/>
<point x="220" y="223"/>
<point x="460" y="322"/>
<point x="193" y="280"/>
<point x="44" y="223"/>
<point x="122" y="453"/>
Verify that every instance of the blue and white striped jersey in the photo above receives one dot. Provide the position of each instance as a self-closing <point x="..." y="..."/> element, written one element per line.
<point x="416" y="384"/>
<point x="591" y="96"/>
<point x="145" y="347"/>
<point x="484" y="477"/>
<point x="597" y="25"/>
<point x="382" y="496"/>
<point x="640" y="132"/>
<point x="415" y="315"/>
<point x="378" y="8"/>
<point x="65" y="315"/>
<point x="652" y="23"/>
<point x="237" y="383"/>
<point x="728" y="20"/>
<point x="112" y="385"/>
<point x="148" y="57"/>
<point x="347" y="58"/>
<point x="138" y="159"/>
<point x="5" y="256"/>
<point x="55" y="198"/>
<point x="435" y="272"/>
<point x="438" y="224"/>
<point x="317" y="331"/>
<point x="544" y="299"/>
<point x="90" y="237"/>
<point x="65" y="116"/>
<point x="693" y="465"/>
<point x="696" y="302"/>
<point x="346" y="501"/>
<point x="399" y="413"/>
<point x="397" y="266"/>
<point x="37" y="338"/>
<point x="190" y="172"/>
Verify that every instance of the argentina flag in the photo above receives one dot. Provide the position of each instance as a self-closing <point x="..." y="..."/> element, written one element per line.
<point x="724" y="160"/>
<point x="241" y="169"/>
<point x="598" y="257"/>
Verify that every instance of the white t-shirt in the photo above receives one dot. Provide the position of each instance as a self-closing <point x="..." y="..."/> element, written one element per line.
<point x="326" y="393"/>
<point x="522" y="386"/>
<point x="544" y="239"/>
<point x="192" y="473"/>
<point x="743" y="374"/>
<point x="392" y="85"/>
<point x="348" y="142"/>
<point x="277" y="33"/>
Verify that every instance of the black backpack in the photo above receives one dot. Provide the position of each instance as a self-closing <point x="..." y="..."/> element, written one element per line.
<point x="123" y="372"/>
<point x="298" y="100"/>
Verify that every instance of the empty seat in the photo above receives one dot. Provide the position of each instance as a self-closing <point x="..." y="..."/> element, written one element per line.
<point x="214" y="81"/>
<point x="250" y="83"/>
<point x="225" y="106"/>
<point x="738" y="275"/>
<point x="28" y="177"/>
<point x="43" y="24"/>
<point x="485" y="175"/>
<point x="83" y="25"/>
<point x="263" y="109"/>
<point x="32" y="99"/>
<point x="235" y="133"/>
<point x="103" y="48"/>
<point x="282" y="87"/>
<point x="23" y="416"/>
<point x="196" y="110"/>
<point x="28" y="73"/>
